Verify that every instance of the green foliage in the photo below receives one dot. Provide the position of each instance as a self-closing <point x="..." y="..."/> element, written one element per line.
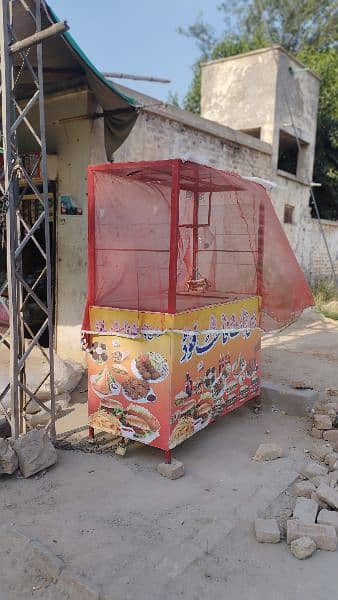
<point x="325" y="294"/>
<point x="308" y="29"/>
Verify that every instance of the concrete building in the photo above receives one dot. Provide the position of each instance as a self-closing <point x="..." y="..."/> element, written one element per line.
<point x="254" y="107"/>
<point x="245" y="127"/>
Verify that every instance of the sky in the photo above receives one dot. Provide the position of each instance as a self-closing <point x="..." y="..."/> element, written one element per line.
<point x="139" y="37"/>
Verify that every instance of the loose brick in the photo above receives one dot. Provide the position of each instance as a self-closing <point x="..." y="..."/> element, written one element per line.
<point x="328" y="494"/>
<point x="321" y="421"/>
<point x="173" y="470"/>
<point x="328" y="517"/>
<point x="267" y="531"/>
<point x="331" y="435"/>
<point x="305" y="510"/>
<point x="324" y="536"/>
<point x="316" y="433"/>
<point x="313" y="469"/>
<point x="320" y="502"/>
<point x="268" y="452"/>
<point x="303" y="547"/>
<point x="303" y="489"/>
<point x="318" y="479"/>
<point x="320" y="452"/>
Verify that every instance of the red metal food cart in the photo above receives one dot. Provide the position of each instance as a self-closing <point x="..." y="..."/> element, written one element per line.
<point x="186" y="265"/>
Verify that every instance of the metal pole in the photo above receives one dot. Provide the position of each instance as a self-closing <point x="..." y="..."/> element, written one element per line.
<point x="9" y="140"/>
<point x="44" y="175"/>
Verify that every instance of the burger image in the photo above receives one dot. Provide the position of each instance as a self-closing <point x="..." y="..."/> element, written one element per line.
<point x="186" y="405"/>
<point x="204" y="407"/>
<point x="115" y="407"/>
<point x="181" y="431"/>
<point x="104" y="384"/>
<point x="141" y="421"/>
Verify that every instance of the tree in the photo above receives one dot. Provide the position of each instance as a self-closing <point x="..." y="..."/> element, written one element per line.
<point x="308" y="29"/>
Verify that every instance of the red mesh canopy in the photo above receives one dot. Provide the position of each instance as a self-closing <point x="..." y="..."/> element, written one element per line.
<point x="170" y="235"/>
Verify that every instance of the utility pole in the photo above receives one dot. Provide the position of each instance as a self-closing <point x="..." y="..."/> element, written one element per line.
<point x="24" y="58"/>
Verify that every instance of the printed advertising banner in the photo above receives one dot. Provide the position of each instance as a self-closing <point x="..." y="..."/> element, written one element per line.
<point x="160" y="378"/>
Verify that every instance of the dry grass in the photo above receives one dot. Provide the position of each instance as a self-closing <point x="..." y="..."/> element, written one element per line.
<point x="325" y="293"/>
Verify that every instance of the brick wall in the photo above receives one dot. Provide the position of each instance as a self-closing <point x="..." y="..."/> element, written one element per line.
<point x="163" y="132"/>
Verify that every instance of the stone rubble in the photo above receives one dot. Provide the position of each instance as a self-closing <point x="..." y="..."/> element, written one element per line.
<point x="35" y="452"/>
<point x="268" y="452"/>
<point x="312" y="469"/>
<point x="8" y="458"/>
<point x="328" y="517"/>
<point x="313" y="520"/>
<point x="305" y="510"/>
<point x="328" y="494"/>
<point x="303" y="547"/>
<point x="267" y="531"/>
<point x="324" y="536"/>
<point x="321" y="421"/>
<point x="303" y="489"/>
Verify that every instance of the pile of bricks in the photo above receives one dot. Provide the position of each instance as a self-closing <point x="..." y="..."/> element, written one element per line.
<point x="314" y="521"/>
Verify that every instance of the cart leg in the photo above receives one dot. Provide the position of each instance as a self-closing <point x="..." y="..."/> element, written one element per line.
<point x="167" y="457"/>
<point x="91" y="433"/>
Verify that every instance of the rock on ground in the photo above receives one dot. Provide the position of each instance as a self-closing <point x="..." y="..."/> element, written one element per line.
<point x="320" y="452"/>
<point x="268" y="452"/>
<point x="324" y="536"/>
<point x="267" y="531"/>
<point x="312" y="469"/>
<point x="331" y="435"/>
<point x="303" y="489"/>
<point x="321" y="421"/>
<point x="305" y="510"/>
<point x="320" y="502"/>
<point x="316" y="433"/>
<point x="328" y="517"/>
<point x="35" y="452"/>
<point x="66" y="377"/>
<point x="328" y="494"/>
<point x="8" y="458"/>
<point x="172" y="470"/>
<point x="303" y="547"/>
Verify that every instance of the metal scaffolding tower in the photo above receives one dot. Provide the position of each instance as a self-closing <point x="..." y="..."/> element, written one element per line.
<point x="23" y="58"/>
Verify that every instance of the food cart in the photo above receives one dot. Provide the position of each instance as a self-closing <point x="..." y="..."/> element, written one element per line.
<point x="186" y="266"/>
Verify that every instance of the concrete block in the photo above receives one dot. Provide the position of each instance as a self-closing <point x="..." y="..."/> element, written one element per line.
<point x="303" y="489"/>
<point x="294" y="401"/>
<point x="333" y="478"/>
<point x="318" y="479"/>
<point x="305" y="510"/>
<point x="332" y="461"/>
<point x="320" y="452"/>
<point x="267" y="531"/>
<point x="331" y="435"/>
<point x="8" y="458"/>
<point x="268" y="452"/>
<point x="303" y="547"/>
<point x="312" y="469"/>
<point x="321" y="421"/>
<point x="316" y="433"/>
<point x="324" y="536"/>
<point x="174" y="470"/>
<point x="328" y="517"/>
<point x="321" y="503"/>
<point x="328" y="494"/>
<point x="35" y="452"/>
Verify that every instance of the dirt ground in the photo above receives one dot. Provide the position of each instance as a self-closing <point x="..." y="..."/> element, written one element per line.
<point x="133" y="534"/>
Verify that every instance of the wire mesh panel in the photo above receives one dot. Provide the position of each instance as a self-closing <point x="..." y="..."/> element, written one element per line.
<point x="220" y="231"/>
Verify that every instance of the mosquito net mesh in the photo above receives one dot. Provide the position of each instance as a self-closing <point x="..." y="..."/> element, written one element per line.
<point x="169" y="236"/>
